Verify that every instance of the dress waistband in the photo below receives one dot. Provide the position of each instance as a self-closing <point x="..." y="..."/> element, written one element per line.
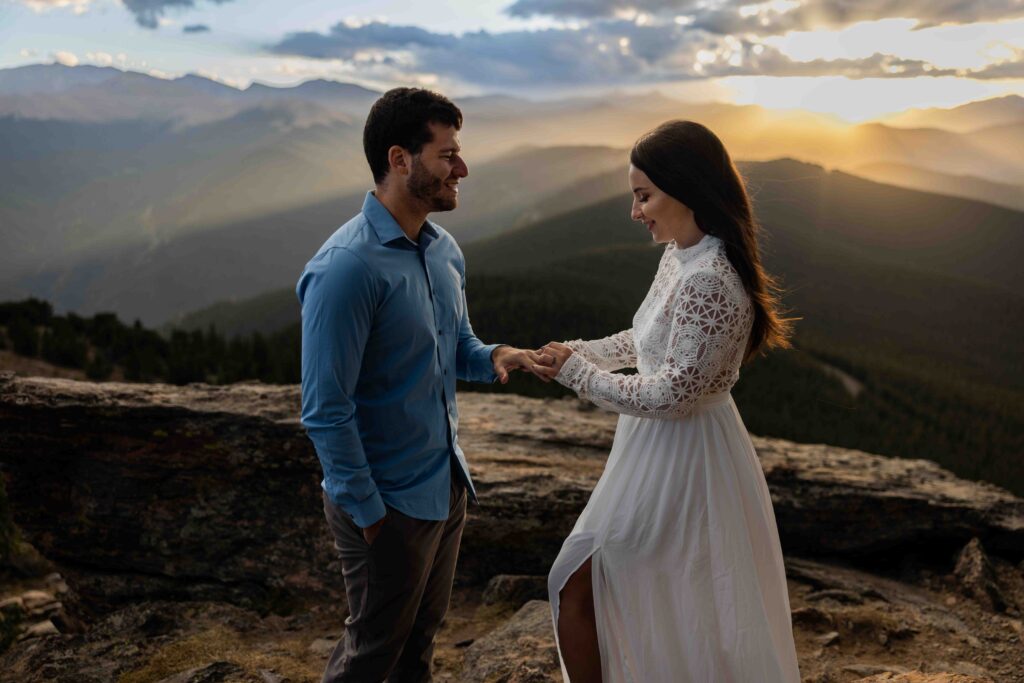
<point x="712" y="399"/>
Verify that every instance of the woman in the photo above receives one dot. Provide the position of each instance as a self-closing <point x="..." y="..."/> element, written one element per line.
<point x="673" y="572"/>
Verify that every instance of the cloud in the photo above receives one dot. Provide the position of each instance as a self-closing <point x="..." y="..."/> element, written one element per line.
<point x="1011" y="67"/>
<point x="40" y="6"/>
<point x="195" y="28"/>
<point x="614" y="52"/>
<point x="66" y="58"/>
<point x="777" y="16"/>
<point x="149" y="12"/>
<point x="516" y="58"/>
<point x="773" y="63"/>
<point x="100" y="58"/>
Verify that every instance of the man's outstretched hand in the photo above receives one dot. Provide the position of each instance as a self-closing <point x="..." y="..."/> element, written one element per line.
<point x="507" y="358"/>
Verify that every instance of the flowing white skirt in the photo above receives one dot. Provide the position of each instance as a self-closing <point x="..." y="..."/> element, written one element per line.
<point x="689" y="583"/>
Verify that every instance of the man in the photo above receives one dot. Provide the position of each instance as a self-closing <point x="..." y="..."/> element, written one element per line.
<point x="385" y="334"/>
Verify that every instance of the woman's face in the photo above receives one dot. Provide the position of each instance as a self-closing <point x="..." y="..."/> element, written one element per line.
<point x="666" y="217"/>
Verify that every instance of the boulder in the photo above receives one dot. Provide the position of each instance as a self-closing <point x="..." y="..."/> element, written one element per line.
<point x="515" y="590"/>
<point x="155" y="491"/>
<point x="522" y="650"/>
<point x="918" y="677"/>
<point x="977" y="577"/>
<point x="41" y="629"/>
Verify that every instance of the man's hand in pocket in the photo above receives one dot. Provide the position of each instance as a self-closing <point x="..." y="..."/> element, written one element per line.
<point x="370" y="532"/>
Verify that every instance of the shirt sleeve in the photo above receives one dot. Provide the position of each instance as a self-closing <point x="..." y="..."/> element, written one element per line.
<point x="610" y="353"/>
<point x="708" y="327"/>
<point x="338" y="300"/>
<point x="472" y="357"/>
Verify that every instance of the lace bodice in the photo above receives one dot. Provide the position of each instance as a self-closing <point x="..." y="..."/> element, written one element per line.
<point x="688" y="339"/>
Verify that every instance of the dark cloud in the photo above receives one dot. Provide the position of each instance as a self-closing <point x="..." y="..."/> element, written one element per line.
<point x="607" y="52"/>
<point x="725" y="17"/>
<point x="195" y="28"/>
<point x="344" y="41"/>
<point x="513" y="58"/>
<point x="148" y="12"/>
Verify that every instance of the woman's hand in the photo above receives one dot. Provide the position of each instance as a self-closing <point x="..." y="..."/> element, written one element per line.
<point x="557" y="350"/>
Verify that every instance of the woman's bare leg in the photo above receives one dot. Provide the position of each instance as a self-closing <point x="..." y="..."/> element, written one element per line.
<point x="577" y="628"/>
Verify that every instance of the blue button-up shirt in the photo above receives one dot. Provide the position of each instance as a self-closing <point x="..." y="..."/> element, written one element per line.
<point x="385" y="333"/>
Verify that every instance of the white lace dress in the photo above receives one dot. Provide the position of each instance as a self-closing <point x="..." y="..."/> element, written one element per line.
<point x="688" y="578"/>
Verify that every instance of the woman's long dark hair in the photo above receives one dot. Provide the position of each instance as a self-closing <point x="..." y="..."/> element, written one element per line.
<point x="688" y="162"/>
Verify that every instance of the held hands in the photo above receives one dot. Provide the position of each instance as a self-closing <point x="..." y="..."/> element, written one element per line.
<point x="559" y="352"/>
<point x="507" y="359"/>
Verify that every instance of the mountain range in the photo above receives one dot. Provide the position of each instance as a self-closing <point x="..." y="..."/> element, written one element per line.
<point x="187" y="202"/>
<point x="120" y="185"/>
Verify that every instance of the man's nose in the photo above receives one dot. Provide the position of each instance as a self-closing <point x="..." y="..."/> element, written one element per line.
<point x="461" y="169"/>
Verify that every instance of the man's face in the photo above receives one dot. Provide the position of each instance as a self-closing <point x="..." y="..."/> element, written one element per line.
<point x="437" y="169"/>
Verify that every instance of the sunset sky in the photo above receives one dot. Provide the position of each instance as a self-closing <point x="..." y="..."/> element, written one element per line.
<point x="853" y="59"/>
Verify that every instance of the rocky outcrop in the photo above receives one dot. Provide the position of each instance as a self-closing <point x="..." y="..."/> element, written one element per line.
<point x="147" y="495"/>
<point x="157" y="491"/>
<point x="146" y="491"/>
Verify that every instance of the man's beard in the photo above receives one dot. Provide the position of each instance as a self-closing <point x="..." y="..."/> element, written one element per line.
<point x="429" y="188"/>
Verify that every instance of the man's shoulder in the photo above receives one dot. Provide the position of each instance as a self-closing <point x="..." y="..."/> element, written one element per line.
<point x="346" y="249"/>
<point x="353" y="236"/>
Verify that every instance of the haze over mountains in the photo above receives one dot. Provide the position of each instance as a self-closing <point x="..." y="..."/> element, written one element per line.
<point x="963" y="119"/>
<point x="862" y="262"/>
<point x="153" y="198"/>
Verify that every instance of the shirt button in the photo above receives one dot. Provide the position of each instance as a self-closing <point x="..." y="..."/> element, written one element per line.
<point x="440" y="331"/>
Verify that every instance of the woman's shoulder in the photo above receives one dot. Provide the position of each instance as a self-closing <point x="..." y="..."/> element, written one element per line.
<point x="712" y="274"/>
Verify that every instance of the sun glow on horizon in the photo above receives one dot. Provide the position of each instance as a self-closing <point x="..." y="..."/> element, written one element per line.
<point x="861" y="100"/>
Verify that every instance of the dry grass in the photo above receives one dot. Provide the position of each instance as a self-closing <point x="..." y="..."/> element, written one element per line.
<point x="287" y="657"/>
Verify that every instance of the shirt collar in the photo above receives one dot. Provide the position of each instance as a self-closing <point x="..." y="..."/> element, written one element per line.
<point x="688" y="254"/>
<point x="387" y="228"/>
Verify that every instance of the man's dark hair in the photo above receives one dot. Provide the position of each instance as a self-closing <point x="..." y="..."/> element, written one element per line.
<point x="402" y="117"/>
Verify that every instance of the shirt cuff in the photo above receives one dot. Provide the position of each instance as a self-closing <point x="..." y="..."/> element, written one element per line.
<point x="366" y="512"/>
<point x="492" y="376"/>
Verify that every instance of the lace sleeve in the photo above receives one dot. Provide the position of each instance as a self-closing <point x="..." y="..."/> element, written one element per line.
<point x="709" y="325"/>
<point x="610" y="353"/>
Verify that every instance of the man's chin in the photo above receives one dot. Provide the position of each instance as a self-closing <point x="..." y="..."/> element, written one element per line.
<point x="445" y="204"/>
